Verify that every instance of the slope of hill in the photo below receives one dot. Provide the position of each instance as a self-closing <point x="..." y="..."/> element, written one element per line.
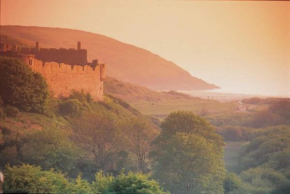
<point x="160" y="104"/>
<point x="125" y="62"/>
<point x="131" y="92"/>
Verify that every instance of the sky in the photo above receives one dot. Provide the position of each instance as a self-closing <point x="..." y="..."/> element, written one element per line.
<point x="243" y="47"/>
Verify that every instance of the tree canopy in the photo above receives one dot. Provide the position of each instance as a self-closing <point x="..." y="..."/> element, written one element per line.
<point x="21" y="87"/>
<point x="188" y="157"/>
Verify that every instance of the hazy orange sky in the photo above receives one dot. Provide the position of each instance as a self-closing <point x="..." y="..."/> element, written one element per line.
<point x="243" y="47"/>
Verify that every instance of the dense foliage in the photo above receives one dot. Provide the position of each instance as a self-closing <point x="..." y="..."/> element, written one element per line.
<point x="188" y="155"/>
<point x="237" y="126"/>
<point x="269" y="147"/>
<point x="22" y="88"/>
<point x="80" y="146"/>
<point x="134" y="184"/>
<point x="264" y="163"/>
<point x="31" y="179"/>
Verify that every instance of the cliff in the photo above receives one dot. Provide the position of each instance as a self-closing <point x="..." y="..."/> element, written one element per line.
<point x="126" y="62"/>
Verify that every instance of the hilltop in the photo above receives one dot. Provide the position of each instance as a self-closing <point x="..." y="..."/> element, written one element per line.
<point x="125" y="62"/>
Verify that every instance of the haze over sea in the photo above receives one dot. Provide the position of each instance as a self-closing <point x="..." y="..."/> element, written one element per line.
<point x="224" y="94"/>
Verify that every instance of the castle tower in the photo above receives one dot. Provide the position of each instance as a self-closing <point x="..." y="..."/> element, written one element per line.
<point x="79" y="45"/>
<point x="27" y="59"/>
<point x="37" y="46"/>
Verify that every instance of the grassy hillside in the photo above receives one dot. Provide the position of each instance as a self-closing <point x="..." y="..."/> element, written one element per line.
<point x="26" y="121"/>
<point x="160" y="104"/>
<point x="131" y="92"/>
<point x="125" y="62"/>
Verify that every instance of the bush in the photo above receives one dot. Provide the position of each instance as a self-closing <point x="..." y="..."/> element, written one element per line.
<point x="253" y="101"/>
<point x="282" y="189"/>
<point x="81" y="96"/>
<point x="11" y="111"/>
<point x="50" y="149"/>
<point x="2" y="114"/>
<point x="132" y="183"/>
<point x="1" y="102"/>
<point x="71" y="107"/>
<point x="264" y="178"/>
<point x="281" y="108"/>
<point x="270" y="147"/>
<point x="135" y="183"/>
<point x="232" y="183"/>
<point x="30" y="179"/>
<point x="234" y="133"/>
<point x="21" y="87"/>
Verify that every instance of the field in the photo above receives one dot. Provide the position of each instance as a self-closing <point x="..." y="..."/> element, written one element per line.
<point x="160" y="104"/>
<point x="160" y="109"/>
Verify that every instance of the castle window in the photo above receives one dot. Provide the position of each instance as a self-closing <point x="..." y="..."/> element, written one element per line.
<point x="30" y="62"/>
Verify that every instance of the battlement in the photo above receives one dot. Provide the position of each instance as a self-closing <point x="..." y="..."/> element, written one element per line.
<point x="6" y="47"/>
<point x="62" y="55"/>
<point x="64" y="69"/>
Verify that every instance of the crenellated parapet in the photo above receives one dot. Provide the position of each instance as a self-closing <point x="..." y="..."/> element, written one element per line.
<point x="62" y="55"/>
<point x="64" y="69"/>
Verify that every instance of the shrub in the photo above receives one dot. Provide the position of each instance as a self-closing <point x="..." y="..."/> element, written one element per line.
<point x="282" y="189"/>
<point x="49" y="149"/>
<point x="132" y="183"/>
<point x="11" y="111"/>
<point x="1" y="102"/>
<point x="21" y="87"/>
<point x="71" y="108"/>
<point x="281" y="108"/>
<point x="81" y="96"/>
<point x="234" y="133"/>
<point x="253" y="101"/>
<point x="2" y="114"/>
<point x="264" y="178"/>
<point x="30" y="179"/>
<point x="232" y="183"/>
<point x="135" y="183"/>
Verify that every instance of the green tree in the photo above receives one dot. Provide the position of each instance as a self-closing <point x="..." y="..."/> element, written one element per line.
<point x="188" y="157"/>
<point x="102" y="182"/>
<point x="21" y="87"/>
<point x="30" y="179"/>
<point x="81" y="186"/>
<point x="190" y="164"/>
<point x="281" y="108"/>
<point x="135" y="183"/>
<point x="98" y="135"/>
<point x="12" y="140"/>
<point x="269" y="147"/>
<point x="262" y="180"/>
<point x="139" y="136"/>
<point x="131" y="183"/>
<point x="187" y="122"/>
<point x="50" y="149"/>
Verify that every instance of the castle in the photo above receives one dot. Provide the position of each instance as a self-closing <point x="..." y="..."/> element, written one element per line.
<point x="64" y="69"/>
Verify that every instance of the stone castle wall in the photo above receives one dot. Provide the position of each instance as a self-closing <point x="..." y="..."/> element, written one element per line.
<point x="63" y="78"/>
<point x="64" y="69"/>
